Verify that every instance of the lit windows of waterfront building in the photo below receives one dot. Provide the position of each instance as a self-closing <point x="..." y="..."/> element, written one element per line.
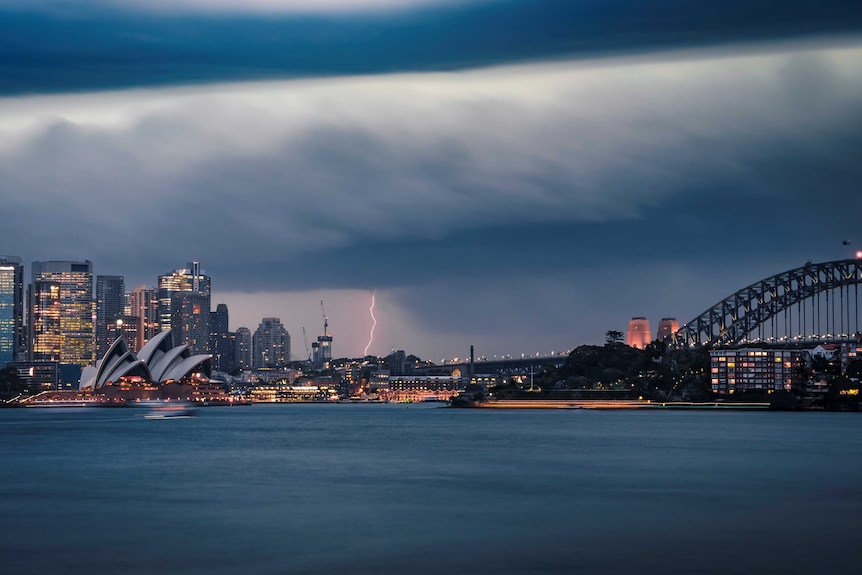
<point x="423" y="387"/>
<point x="110" y="307"/>
<point x="144" y="304"/>
<point x="639" y="333"/>
<point x="270" y="344"/>
<point x="749" y="369"/>
<point x="242" y="348"/>
<point x="11" y="309"/>
<point x="68" y="286"/>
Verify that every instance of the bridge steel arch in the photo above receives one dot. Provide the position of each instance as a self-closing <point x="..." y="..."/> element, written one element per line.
<point x="733" y="319"/>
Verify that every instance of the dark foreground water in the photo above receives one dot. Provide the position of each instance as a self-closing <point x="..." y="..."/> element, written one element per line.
<point x="338" y="489"/>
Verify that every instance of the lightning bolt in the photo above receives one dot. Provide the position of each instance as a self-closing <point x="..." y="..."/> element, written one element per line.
<point x="374" y="319"/>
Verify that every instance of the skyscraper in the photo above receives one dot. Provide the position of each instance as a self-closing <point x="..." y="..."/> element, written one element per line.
<point x="11" y="308"/>
<point x="271" y="344"/>
<point x="242" y="347"/>
<point x="639" y="333"/>
<point x="110" y="307"/>
<point x="144" y="304"/>
<point x="221" y="343"/>
<point x="67" y="286"/>
<point x="184" y="306"/>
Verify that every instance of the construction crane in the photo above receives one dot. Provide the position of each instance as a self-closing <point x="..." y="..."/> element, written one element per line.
<point x="325" y="319"/>
<point x="307" y="353"/>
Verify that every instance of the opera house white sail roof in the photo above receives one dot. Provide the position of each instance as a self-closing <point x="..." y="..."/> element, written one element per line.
<point x="159" y="361"/>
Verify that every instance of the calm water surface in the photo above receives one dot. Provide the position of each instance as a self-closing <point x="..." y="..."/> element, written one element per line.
<point x="361" y="489"/>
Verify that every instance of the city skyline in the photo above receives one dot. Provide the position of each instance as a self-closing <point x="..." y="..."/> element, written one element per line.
<point x="523" y="191"/>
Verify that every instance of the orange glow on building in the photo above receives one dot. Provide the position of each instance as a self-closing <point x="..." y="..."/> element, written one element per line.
<point x="666" y="327"/>
<point x="639" y="334"/>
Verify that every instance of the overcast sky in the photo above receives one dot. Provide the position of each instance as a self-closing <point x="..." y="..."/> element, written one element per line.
<point x="521" y="176"/>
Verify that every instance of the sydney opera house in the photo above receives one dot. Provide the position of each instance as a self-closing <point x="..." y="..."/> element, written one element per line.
<point x="160" y="370"/>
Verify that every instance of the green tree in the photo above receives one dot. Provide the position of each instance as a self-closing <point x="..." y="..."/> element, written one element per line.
<point x="613" y="336"/>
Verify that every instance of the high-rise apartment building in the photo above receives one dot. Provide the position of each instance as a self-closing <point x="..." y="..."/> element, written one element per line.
<point x="144" y="305"/>
<point x="639" y="333"/>
<point x="221" y="342"/>
<point x="61" y="312"/>
<point x="242" y="347"/>
<point x="11" y="309"/>
<point x="184" y="306"/>
<point x="270" y="344"/>
<point x="110" y="307"/>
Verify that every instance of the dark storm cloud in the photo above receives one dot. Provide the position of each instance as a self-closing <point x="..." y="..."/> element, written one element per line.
<point x="453" y="174"/>
<point x="53" y="46"/>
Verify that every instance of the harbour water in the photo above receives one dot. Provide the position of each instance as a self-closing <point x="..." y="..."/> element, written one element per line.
<point x="362" y="489"/>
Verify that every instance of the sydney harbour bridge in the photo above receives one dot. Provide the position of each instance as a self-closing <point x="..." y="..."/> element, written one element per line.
<point x="802" y="307"/>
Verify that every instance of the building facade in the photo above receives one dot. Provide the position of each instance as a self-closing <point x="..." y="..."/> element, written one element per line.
<point x="242" y="348"/>
<point x="12" y="341"/>
<point x="750" y="369"/>
<point x="144" y="304"/>
<point x="184" y="306"/>
<point x="221" y="340"/>
<point x="61" y="313"/>
<point x="270" y="344"/>
<point x="110" y="308"/>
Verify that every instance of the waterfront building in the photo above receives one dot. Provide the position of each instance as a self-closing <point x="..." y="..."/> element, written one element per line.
<point x="748" y="369"/>
<point x="161" y="361"/>
<point x="270" y="344"/>
<point x="184" y="306"/>
<point x="639" y="332"/>
<point x="11" y="309"/>
<point x="38" y="376"/>
<point x="423" y="387"/>
<point x="61" y="312"/>
<point x="242" y="348"/>
<point x="221" y="341"/>
<point x="110" y="307"/>
<point x="144" y="304"/>
<point x="666" y="327"/>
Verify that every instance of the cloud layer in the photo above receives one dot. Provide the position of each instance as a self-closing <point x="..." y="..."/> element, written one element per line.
<point x="407" y="182"/>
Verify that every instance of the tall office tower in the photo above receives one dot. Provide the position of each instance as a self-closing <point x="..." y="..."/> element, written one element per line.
<point x="639" y="332"/>
<point x="221" y="343"/>
<point x="324" y="350"/>
<point x="43" y="321"/>
<point x="184" y="306"/>
<point x="74" y="282"/>
<point x="242" y="347"/>
<point x="270" y="344"/>
<point x="127" y="326"/>
<point x="666" y="327"/>
<point x="144" y="304"/>
<point x="11" y="308"/>
<point x="110" y="306"/>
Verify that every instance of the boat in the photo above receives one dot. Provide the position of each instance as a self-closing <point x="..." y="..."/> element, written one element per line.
<point x="168" y="409"/>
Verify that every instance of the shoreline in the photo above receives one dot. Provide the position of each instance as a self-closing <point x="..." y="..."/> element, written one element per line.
<point x="615" y="404"/>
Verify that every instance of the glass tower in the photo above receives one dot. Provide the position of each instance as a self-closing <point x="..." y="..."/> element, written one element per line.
<point x="11" y="308"/>
<point x="184" y="306"/>
<point x="68" y="287"/>
<point x="110" y="305"/>
<point x="144" y="304"/>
